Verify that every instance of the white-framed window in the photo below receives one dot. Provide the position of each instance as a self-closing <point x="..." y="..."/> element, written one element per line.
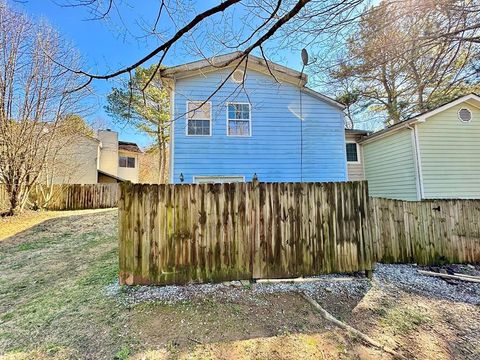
<point x="239" y="121"/>
<point x="218" y="179"/>
<point x="353" y="155"/>
<point x="199" y="118"/>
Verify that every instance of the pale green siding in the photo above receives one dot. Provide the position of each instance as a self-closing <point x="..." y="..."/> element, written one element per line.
<point x="450" y="155"/>
<point x="390" y="166"/>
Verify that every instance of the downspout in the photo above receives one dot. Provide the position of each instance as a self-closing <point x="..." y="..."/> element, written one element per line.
<point x="172" y="131"/>
<point x="417" y="161"/>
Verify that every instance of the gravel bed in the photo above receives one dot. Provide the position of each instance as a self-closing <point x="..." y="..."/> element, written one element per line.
<point x="407" y="278"/>
<point x="236" y="289"/>
<point x="404" y="277"/>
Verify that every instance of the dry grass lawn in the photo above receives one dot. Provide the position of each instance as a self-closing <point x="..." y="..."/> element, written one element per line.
<point x="10" y="226"/>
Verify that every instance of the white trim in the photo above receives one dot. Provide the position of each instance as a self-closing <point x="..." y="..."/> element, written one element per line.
<point x="415" y="162"/>
<point x="172" y="131"/>
<point x="196" y="177"/>
<point x="419" y="162"/>
<point x="460" y="119"/>
<point x="449" y="105"/>
<point x="249" y="120"/>
<point x="418" y="119"/>
<point x="186" y="118"/>
<point x="322" y="97"/>
<point x="232" y="77"/>
<point x="232" y="59"/>
<point x="358" y="152"/>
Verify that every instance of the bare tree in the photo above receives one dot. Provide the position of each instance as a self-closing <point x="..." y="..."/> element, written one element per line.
<point x="34" y="98"/>
<point x="323" y="26"/>
<point x="391" y="66"/>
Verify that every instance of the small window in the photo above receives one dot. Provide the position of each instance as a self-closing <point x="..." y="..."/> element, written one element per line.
<point x="464" y="115"/>
<point x="238" y="119"/>
<point x="126" y="162"/>
<point x="352" y="153"/>
<point x="199" y="116"/>
<point x="237" y="76"/>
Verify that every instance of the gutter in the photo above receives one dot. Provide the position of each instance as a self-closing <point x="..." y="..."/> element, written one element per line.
<point x="390" y="130"/>
<point x="172" y="131"/>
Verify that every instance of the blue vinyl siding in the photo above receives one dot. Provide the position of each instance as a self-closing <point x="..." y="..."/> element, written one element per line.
<point x="273" y="151"/>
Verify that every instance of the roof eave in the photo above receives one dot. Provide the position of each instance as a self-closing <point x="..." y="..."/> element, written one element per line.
<point x="229" y="60"/>
<point x="419" y="118"/>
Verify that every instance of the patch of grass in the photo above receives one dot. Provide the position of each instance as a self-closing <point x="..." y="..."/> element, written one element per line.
<point x="123" y="354"/>
<point x="405" y="319"/>
<point x="58" y="291"/>
<point x="247" y="286"/>
<point x="104" y="272"/>
<point x="35" y="245"/>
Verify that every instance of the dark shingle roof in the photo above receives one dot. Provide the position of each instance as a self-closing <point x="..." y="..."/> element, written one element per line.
<point x="128" y="146"/>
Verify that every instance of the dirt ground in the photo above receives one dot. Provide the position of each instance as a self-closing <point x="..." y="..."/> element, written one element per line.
<point x="59" y="300"/>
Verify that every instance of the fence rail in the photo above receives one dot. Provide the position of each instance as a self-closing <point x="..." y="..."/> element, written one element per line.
<point x="425" y="232"/>
<point x="69" y="197"/>
<point x="214" y="232"/>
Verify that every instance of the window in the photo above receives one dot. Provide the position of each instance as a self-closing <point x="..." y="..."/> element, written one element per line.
<point x="126" y="162"/>
<point x="464" y="115"/>
<point x="217" y="179"/>
<point x="238" y="119"/>
<point x="199" y="116"/>
<point x="237" y="76"/>
<point x="352" y="152"/>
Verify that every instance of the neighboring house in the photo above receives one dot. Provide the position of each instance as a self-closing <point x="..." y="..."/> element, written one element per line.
<point x="103" y="159"/>
<point x="252" y="124"/>
<point x="430" y="156"/>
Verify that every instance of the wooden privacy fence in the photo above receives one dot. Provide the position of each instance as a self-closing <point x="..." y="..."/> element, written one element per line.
<point x="426" y="232"/>
<point x="174" y="234"/>
<point x="69" y="197"/>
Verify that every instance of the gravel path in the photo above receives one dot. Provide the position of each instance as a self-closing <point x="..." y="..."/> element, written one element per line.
<point x="404" y="277"/>
<point x="408" y="279"/>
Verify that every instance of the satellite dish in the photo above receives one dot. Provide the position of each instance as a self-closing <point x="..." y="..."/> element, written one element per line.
<point x="305" y="57"/>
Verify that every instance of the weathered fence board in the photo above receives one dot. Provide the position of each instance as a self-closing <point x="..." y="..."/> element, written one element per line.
<point x="214" y="232"/>
<point x="426" y="232"/>
<point x="69" y="197"/>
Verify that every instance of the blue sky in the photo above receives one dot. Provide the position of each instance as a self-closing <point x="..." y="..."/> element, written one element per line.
<point x="105" y="46"/>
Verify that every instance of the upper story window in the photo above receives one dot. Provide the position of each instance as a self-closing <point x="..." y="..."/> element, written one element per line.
<point x="199" y="118"/>
<point x="238" y="119"/>
<point x="126" y="162"/>
<point x="352" y="152"/>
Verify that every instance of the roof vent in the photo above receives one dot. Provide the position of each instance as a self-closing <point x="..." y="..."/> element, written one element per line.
<point x="237" y="76"/>
<point x="464" y="115"/>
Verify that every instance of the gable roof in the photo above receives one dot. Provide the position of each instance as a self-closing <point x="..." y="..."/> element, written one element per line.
<point x="471" y="99"/>
<point x="215" y="63"/>
<point x="128" y="146"/>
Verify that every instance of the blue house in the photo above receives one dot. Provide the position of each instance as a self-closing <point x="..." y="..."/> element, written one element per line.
<point x="260" y="118"/>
